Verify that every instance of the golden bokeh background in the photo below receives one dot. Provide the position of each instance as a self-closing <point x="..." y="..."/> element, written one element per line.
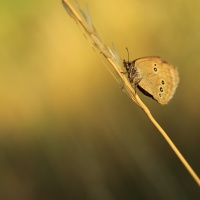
<point x="67" y="130"/>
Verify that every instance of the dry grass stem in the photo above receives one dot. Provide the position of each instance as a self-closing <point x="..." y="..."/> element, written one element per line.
<point x="111" y="55"/>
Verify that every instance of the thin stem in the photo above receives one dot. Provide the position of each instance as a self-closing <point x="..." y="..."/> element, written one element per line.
<point x="96" y="42"/>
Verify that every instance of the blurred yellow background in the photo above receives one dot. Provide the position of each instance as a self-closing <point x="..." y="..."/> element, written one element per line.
<point x="67" y="130"/>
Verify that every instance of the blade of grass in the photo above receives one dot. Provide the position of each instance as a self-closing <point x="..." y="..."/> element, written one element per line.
<point x="112" y="58"/>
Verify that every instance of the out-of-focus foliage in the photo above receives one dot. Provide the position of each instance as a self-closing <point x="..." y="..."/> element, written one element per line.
<point x="67" y="130"/>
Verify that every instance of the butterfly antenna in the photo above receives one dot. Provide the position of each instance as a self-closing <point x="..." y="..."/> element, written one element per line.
<point x="128" y="53"/>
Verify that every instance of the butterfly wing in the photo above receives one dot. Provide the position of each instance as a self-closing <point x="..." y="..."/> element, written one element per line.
<point x="159" y="78"/>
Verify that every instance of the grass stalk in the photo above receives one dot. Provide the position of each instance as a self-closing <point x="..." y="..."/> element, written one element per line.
<point x="113" y="58"/>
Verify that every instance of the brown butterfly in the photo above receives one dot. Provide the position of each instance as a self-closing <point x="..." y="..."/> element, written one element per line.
<point x="154" y="77"/>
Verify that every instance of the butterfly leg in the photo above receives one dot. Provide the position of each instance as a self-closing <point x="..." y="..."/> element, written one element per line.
<point x="123" y="86"/>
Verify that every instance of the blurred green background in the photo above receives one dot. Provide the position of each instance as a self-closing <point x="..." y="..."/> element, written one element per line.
<point x="67" y="131"/>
